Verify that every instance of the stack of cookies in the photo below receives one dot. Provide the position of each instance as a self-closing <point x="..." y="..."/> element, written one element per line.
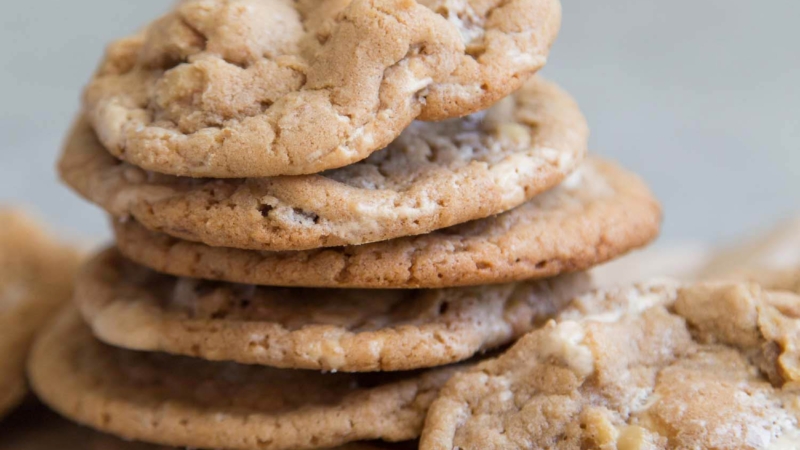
<point x="323" y="210"/>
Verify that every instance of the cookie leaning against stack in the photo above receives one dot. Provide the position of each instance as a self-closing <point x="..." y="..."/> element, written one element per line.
<point x="264" y="149"/>
<point x="36" y="277"/>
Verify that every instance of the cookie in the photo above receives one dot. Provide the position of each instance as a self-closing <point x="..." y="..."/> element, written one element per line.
<point x="34" y="427"/>
<point x="434" y="176"/>
<point x="773" y="279"/>
<point x="334" y="330"/>
<point x="599" y="213"/>
<point x="255" y="88"/>
<point x="709" y="366"/>
<point x="778" y="248"/>
<point x="675" y="260"/>
<point x="185" y="402"/>
<point x="36" y="276"/>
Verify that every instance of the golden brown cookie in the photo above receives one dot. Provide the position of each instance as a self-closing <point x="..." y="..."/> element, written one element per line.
<point x="709" y="366"/>
<point x="254" y="88"/>
<point x="34" y="427"/>
<point x="184" y="402"/>
<point x="599" y="213"/>
<point x="434" y="176"/>
<point x="36" y="277"/>
<point x="771" y="259"/>
<point x="344" y="330"/>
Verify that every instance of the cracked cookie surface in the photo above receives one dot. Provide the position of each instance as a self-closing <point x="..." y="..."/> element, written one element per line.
<point x="656" y="366"/>
<point x="600" y="212"/>
<point x="773" y="279"/>
<point x="36" y="276"/>
<point x="433" y="176"/>
<point x="344" y="330"/>
<point x="253" y="88"/>
<point x="186" y="402"/>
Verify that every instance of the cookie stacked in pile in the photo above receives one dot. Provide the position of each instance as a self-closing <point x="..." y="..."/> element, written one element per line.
<point x="323" y="210"/>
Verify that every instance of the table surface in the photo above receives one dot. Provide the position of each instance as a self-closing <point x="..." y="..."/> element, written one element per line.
<point x="700" y="98"/>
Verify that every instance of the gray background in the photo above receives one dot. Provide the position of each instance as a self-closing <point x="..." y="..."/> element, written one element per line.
<point x="698" y="96"/>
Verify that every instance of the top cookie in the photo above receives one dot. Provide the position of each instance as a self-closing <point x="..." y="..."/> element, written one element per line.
<point x="36" y="276"/>
<point x="251" y="88"/>
<point x="710" y="366"/>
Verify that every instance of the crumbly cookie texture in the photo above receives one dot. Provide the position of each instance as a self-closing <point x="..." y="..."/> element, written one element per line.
<point x="185" y="402"/>
<point x="711" y="366"/>
<point x="598" y="213"/>
<point x="36" y="277"/>
<point x="254" y="88"/>
<point x="333" y="330"/>
<point x="34" y="427"/>
<point x="434" y="176"/>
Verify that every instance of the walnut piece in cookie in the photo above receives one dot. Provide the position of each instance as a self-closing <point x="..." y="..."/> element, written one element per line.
<point x="655" y="366"/>
<point x="253" y="88"/>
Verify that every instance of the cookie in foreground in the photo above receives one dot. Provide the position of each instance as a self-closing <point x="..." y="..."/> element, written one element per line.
<point x="653" y="366"/>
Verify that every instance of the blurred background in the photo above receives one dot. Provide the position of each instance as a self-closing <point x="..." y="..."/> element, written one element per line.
<point x="701" y="98"/>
